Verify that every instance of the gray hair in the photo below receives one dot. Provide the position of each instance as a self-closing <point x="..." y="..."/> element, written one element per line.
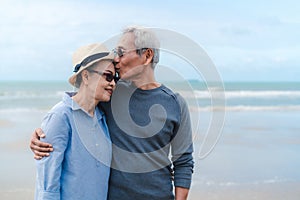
<point x="145" y="38"/>
<point x="79" y="76"/>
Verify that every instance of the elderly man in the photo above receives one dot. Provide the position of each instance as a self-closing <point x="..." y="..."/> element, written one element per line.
<point x="147" y="123"/>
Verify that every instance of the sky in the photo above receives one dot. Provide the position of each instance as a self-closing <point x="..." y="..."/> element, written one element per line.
<point x="246" y="40"/>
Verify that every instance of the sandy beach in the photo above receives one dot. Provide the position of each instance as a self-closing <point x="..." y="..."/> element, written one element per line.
<point x="251" y="161"/>
<point x="274" y="191"/>
<point x="257" y="156"/>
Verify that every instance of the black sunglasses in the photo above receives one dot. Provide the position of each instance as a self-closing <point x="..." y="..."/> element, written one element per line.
<point x="108" y="76"/>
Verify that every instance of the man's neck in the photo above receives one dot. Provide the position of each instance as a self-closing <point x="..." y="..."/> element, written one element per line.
<point x="146" y="83"/>
<point x="147" y="86"/>
<point x="146" y="80"/>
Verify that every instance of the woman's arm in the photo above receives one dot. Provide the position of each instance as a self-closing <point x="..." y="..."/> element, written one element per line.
<point x="49" y="169"/>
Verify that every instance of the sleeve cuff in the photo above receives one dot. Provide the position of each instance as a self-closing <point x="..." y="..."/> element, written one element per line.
<point x="43" y="195"/>
<point x="184" y="183"/>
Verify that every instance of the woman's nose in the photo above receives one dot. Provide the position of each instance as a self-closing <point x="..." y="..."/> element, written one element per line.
<point x="113" y="83"/>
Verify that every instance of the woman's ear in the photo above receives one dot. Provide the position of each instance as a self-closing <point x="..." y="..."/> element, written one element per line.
<point x="85" y="77"/>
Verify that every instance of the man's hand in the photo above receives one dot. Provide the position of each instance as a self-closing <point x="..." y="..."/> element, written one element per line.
<point x="40" y="149"/>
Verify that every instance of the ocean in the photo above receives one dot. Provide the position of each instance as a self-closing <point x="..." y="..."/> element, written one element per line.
<point x="255" y="156"/>
<point x="240" y="96"/>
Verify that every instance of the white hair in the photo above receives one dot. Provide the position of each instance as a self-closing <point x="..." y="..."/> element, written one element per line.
<point x="145" y="38"/>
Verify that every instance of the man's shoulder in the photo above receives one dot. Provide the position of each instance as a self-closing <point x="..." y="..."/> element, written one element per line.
<point x="170" y="92"/>
<point x="176" y="96"/>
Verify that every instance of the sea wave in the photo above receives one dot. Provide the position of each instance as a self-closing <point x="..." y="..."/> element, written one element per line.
<point x="22" y="110"/>
<point x="266" y="181"/>
<point x="237" y="183"/>
<point x="6" y="95"/>
<point x="244" y="108"/>
<point x="262" y="94"/>
<point x="217" y="108"/>
<point x="198" y="94"/>
<point x="205" y="94"/>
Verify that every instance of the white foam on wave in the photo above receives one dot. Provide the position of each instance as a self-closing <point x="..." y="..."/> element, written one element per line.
<point x="273" y="180"/>
<point x="245" y="108"/>
<point x="262" y="94"/>
<point x="21" y="110"/>
<point x="7" y="95"/>
<point x="205" y="94"/>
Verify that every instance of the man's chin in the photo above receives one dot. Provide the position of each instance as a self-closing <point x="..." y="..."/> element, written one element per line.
<point x="124" y="77"/>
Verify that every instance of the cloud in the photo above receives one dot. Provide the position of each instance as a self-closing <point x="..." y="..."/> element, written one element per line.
<point x="38" y="37"/>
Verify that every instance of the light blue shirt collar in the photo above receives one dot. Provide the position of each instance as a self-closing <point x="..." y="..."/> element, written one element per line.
<point x="68" y="101"/>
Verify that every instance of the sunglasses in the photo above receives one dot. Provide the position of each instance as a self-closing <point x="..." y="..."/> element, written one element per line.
<point x="108" y="76"/>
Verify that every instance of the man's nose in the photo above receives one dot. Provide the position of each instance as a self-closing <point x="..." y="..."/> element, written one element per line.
<point x="114" y="63"/>
<point x="116" y="59"/>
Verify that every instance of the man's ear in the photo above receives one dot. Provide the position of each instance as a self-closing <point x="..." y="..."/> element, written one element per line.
<point x="149" y="53"/>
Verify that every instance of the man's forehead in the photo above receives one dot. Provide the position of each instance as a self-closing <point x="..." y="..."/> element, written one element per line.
<point x="126" y="40"/>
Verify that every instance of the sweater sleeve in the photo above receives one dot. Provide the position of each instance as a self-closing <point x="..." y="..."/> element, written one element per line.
<point x="182" y="148"/>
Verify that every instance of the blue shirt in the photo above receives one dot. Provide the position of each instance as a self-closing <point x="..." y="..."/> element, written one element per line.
<point x="79" y="166"/>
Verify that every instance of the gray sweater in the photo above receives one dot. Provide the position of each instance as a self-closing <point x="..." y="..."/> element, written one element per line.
<point x="152" y="143"/>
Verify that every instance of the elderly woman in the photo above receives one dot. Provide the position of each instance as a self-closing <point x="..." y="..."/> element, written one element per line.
<point x="79" y="167"/>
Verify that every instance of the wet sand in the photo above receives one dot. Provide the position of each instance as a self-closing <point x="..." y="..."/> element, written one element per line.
<point x="253" y="159"/>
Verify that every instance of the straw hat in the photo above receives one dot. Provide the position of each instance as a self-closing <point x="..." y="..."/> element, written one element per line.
<point x="86" y="56"/>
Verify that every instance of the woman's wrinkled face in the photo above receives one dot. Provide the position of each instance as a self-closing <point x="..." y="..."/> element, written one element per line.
<point x="101" y="83"/>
